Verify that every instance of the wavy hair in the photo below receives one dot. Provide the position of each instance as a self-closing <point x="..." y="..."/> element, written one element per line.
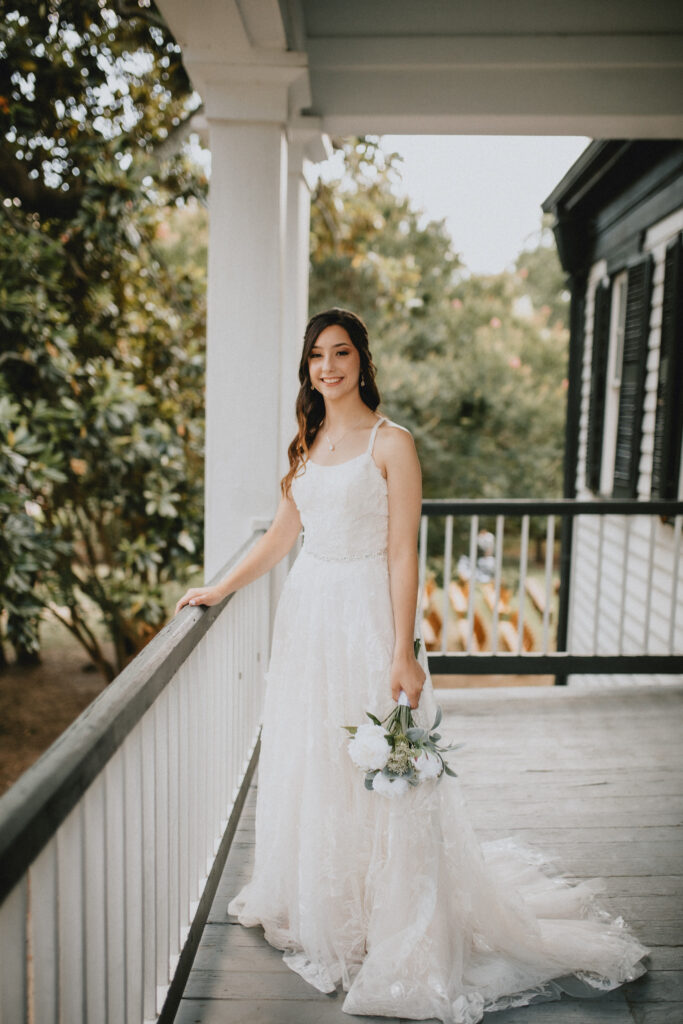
<point x="310" y="405"/>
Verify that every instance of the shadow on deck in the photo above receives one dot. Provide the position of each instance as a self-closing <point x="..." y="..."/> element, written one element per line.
<point x="593" y="775"/>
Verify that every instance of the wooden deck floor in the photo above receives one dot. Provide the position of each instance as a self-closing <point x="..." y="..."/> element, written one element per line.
<point x="593" y="775"/>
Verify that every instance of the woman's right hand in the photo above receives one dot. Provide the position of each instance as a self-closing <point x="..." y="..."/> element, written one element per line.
<point x="200" y="595"/>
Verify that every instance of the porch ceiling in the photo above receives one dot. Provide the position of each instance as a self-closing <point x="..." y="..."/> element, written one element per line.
<point x="608" y="70"/>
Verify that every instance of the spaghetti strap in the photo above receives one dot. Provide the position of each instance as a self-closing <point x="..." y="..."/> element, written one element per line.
<point x="372" y="435"/>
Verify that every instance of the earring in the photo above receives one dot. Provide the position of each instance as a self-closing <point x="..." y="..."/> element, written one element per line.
<point x="362" y="380"/>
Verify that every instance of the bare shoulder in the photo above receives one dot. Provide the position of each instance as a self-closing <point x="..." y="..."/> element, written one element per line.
<point x="394" y="444"/>
<point x="395" y="434"/>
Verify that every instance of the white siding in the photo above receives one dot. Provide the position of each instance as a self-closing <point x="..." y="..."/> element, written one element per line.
<point x="631" y="610"/>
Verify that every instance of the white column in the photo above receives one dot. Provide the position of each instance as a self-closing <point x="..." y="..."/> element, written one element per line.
<point x="306" y="147"/>
<point x="257" y="295"/>
<point x="295" y="297"/>
<point x="248" y="166"/>
<point x="246" y="111"/>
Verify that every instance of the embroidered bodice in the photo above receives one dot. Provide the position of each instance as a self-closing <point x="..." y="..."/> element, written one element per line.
<point x="343" y="508"/>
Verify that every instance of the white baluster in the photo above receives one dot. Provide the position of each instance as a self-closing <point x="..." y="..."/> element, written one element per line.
<point x="598" y="587"/>
<point x="150" y="865"/>
<point x="548" y="589"/>
<point x="44" y="943"/>
<point x="500" y="526"/>
<point x="132" y="894"/>
<point x="447" y="559"/>
<point x="474" y="529"/>
<point x="624" y="584"/>
<point x="115" y="910"/>
<point x="95" y="899"/>
<point x="523" y="557"/>
<point x="163" y="770"/>
<point x="648" y="585"/>
<point x="13" y="981"/>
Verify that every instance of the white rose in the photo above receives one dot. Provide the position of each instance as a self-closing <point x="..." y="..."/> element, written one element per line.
<point x="369" y="747"/>
<point x="427" y="765"/>
<point x="389" y="787"/>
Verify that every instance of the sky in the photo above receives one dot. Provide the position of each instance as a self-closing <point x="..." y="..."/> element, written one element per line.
<point x="488" y="187"/>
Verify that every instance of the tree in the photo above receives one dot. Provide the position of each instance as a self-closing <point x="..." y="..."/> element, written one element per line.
<point x="473" y="365"/>
<point x="101" y="373"/>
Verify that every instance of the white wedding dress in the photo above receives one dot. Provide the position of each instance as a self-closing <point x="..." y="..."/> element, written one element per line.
<point x="394" y="898"/>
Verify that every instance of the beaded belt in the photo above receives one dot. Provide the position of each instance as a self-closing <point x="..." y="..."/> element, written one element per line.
<point x="344" y="558"/>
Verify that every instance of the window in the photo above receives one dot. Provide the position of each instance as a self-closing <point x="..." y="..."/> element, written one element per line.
<point x="614" y="361"/>
<point x="666" y="460"/>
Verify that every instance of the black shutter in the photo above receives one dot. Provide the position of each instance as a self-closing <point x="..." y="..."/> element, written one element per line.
<point x="669" y="416"/>
<point x="596" y="408"/>
<point x="630" y="422"/>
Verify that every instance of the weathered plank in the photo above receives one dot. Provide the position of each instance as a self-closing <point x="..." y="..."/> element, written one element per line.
<point x="269" y="1011"/>
<point x="592" y="777"/>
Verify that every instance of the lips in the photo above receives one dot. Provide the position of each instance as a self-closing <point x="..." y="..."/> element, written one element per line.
<point x="331" y="380"/>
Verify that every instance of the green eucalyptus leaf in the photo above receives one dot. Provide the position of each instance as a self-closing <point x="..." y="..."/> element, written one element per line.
<point x="416" y="734"/>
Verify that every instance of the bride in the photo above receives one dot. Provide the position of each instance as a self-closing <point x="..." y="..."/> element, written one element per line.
<point x="393" y="897"/>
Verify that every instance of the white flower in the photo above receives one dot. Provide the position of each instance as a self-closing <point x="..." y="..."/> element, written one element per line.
<point x="389" y="787"/>
<point x="427" y="765"/>
<point x="369" y="748"/>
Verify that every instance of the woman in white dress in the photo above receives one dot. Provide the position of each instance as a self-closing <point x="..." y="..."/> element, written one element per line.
<point x="394" y="898"/>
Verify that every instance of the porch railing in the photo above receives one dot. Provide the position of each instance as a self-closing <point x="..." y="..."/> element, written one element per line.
<point x="112" y="843"/>
<point x="610" y="549"/>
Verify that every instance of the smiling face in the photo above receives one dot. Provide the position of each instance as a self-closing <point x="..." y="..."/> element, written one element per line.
<point x="334" y="363"/>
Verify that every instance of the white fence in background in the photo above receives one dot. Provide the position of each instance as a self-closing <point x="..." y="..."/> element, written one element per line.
<point x="605" y="599"/>
<point x="108" y="841"/>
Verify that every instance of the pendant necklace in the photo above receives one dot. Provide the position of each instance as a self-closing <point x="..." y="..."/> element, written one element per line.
<point x="332" y="446"/>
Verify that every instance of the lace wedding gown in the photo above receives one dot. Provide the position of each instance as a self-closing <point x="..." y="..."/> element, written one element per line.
<point x="395" y="898"/>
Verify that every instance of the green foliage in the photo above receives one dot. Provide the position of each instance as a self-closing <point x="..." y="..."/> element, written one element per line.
<point x="474" y="366"/>
<point x="102" y="318"/>
<point x="103" y="252"/>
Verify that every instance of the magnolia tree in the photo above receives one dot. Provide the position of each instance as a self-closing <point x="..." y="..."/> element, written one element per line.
<point x="102" y="323"/>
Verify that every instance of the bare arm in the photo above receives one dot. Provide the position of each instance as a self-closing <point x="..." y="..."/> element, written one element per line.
<point x="404" y="486"/>
<point x="278" y="539"/>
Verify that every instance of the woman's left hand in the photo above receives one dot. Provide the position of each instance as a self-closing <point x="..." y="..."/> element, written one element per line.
<point x="408" y="675"/>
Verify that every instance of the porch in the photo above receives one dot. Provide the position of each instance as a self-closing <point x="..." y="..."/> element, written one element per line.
<point x="113" y="845"/>
<point x="593" y="776"/>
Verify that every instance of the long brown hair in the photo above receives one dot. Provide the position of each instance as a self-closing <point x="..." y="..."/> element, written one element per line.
<point x="310" y="405"/>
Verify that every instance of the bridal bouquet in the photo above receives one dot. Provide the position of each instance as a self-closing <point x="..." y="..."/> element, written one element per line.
<point x="395" y="753"/>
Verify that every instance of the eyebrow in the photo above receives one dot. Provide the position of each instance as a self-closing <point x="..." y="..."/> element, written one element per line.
<point x="338" y="344"/>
